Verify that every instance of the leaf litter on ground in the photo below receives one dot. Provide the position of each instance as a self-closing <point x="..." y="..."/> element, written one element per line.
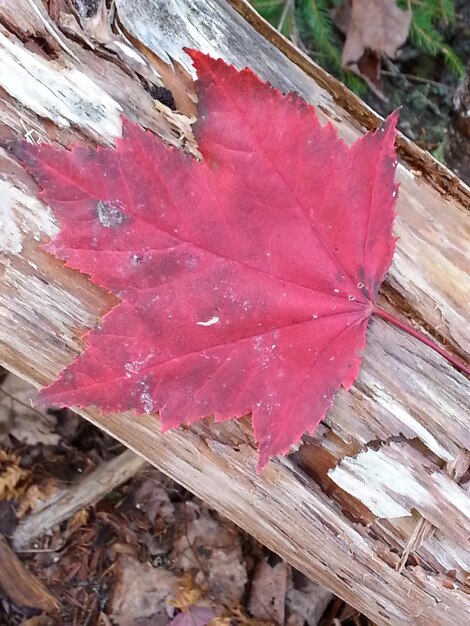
<point x="19" y="419"/>
<point x="148" y="553"/>
<point x="373" y="30"/>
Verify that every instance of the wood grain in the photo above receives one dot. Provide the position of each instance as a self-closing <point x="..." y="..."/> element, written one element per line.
<point x="22" y="586"/>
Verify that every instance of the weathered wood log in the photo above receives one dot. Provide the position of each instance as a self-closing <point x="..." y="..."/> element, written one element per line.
<point x="386" y="475"/>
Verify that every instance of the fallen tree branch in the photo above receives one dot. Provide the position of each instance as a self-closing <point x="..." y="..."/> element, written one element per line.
<point x="91" y="489"/>
<point x="21" y="585"/>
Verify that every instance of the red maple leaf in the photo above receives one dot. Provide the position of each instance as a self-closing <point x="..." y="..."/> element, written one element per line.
<point x="246" y="281"/>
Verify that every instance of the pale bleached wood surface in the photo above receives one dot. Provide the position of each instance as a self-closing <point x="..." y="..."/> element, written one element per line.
<point x="391" y="453"/>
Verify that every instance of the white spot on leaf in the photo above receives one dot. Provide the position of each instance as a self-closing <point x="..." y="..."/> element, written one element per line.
<point x="213" y="320"/>
<point x="147" y="401"/>
<point x="109" y="216"/>
<point x="145" y="397"/>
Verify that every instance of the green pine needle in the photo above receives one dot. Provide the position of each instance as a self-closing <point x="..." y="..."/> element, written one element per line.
<point x="311" y="19"/>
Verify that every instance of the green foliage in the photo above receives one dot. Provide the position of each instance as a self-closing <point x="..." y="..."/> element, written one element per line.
<point x="427" y="15"/>
<point x="272" y="11"/>
<point x="315" y="24"/>
<point x="309" y="23"/>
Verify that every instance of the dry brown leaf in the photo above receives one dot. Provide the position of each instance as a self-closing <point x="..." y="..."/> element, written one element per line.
<point x="38" y="620"/>
<point x="211" y="547"/>
<point x="373" y="28"/>
<point x="78" y="520"/>
<point x="187" y="592"/>
<point x="12" y="477"/>
<point x="308" y="601"/>
<point x="268" y="591"/>
<point x="151" y="497"/>
<point x="220" y="621"/>
<point x="15" y="484"/>
<point x="31" y="496"/>
<point x="142" y="594"/>
<point x="238" y="615"/>
<point x="19" y="419"/>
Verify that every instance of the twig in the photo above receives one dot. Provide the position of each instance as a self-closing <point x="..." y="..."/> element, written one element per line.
<point x="417" y="79"/>
<point x="21" y="585"/>
<point x="424" y="529"/>
<point x="20" y="402"/>
<point x="288" y="4"/>
<point x="64" y="503"/>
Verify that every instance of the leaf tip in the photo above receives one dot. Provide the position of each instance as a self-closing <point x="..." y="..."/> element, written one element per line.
<point x="199" y="59"/>
<point x="204" y="64"/>
<point x="24" y="151"/>
<point x="41" y="399"/>
<point x="130" y="130"/>
<point x="390" y="124"/>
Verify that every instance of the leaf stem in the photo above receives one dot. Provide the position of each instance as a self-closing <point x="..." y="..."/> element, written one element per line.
<point x="388" y="317"/>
